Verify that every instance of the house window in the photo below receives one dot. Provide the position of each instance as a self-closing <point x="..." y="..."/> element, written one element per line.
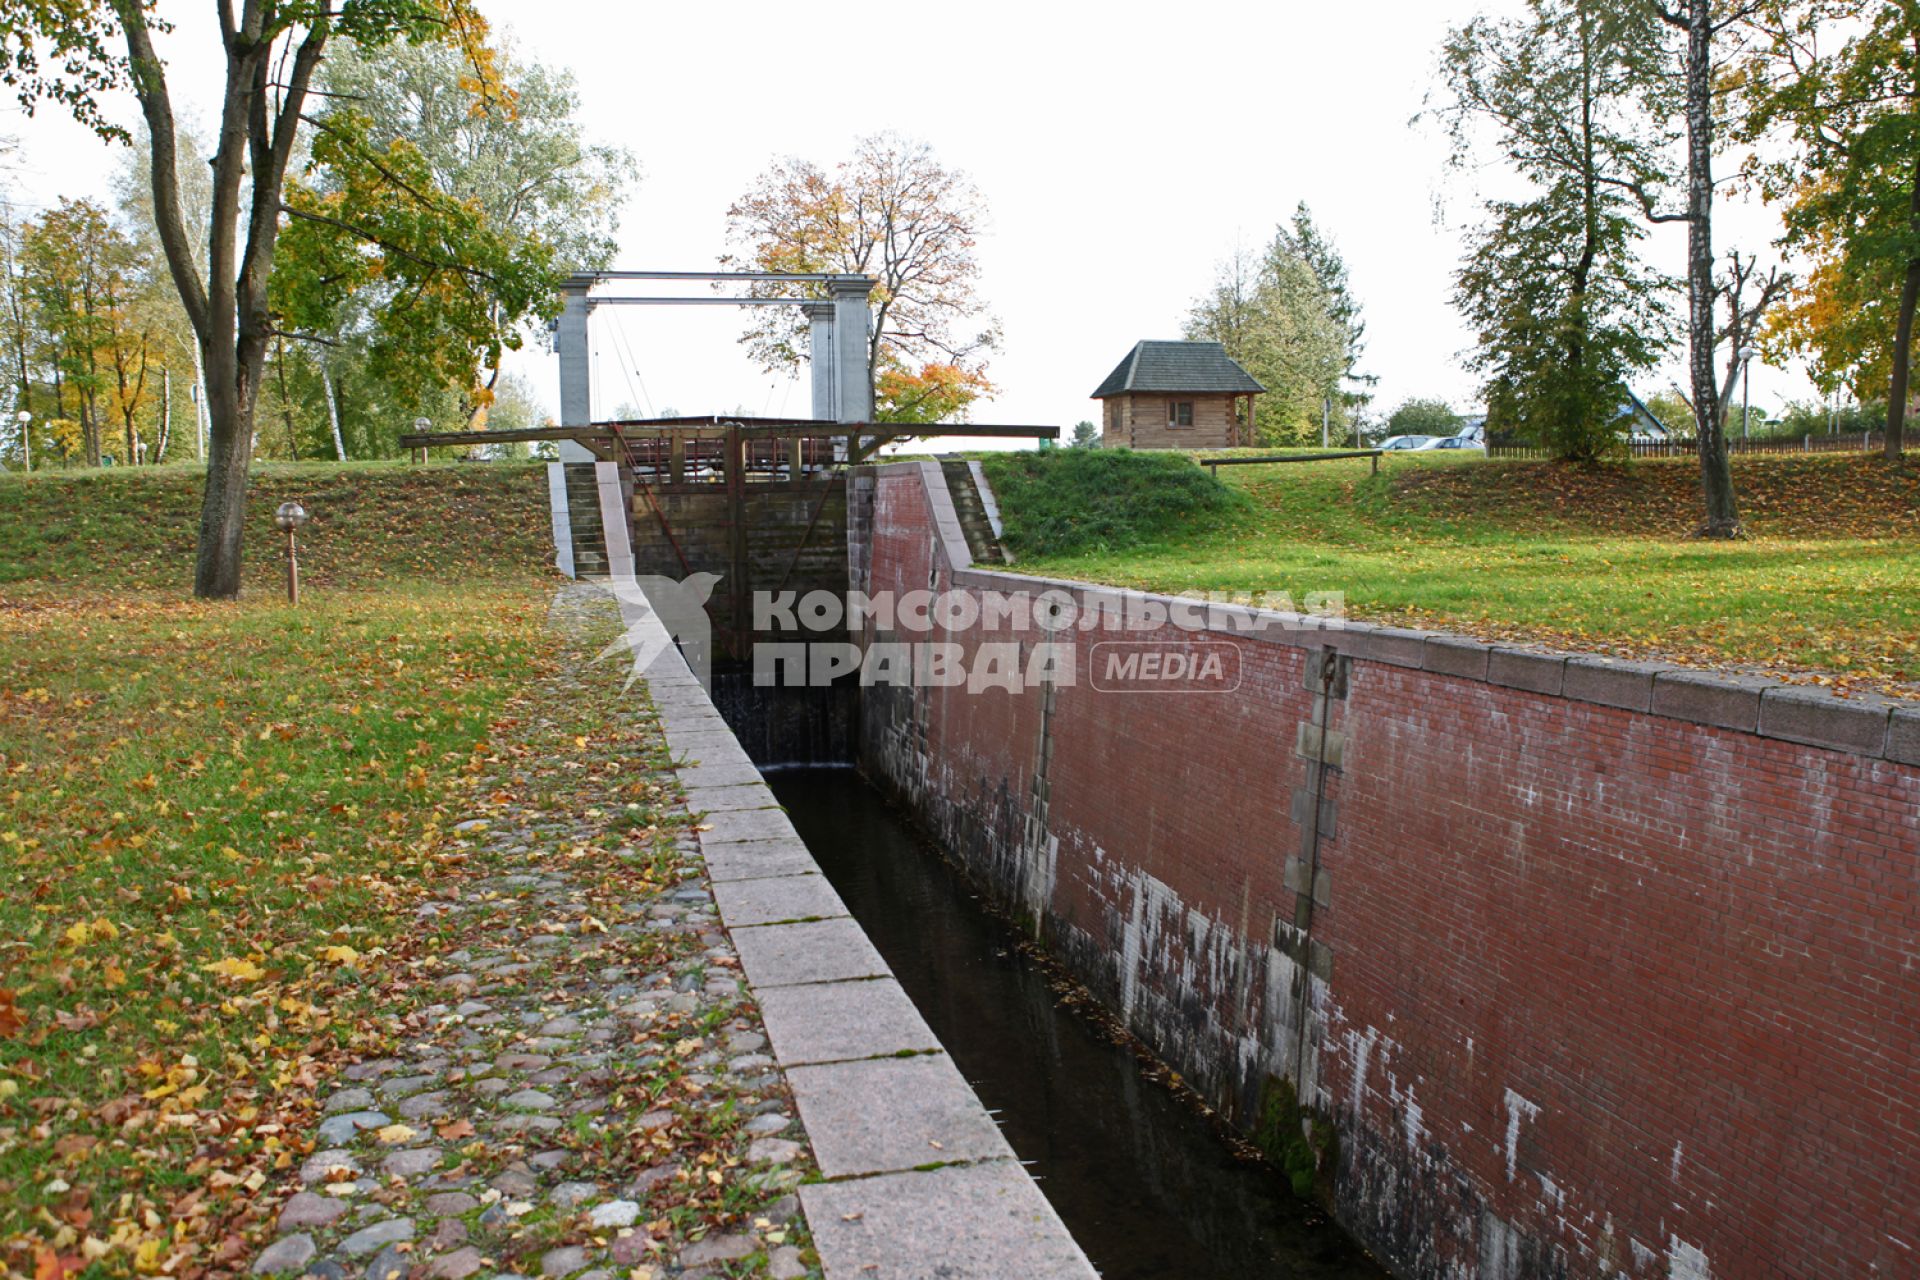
<point x="1179" y="413"/>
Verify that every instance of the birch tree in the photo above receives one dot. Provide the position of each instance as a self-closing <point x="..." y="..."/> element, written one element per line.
<point x="1564" y="310"/>
<point x="1698" y="54"/>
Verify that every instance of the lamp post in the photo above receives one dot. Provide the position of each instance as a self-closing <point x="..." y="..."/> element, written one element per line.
<point x="26" y="444"/>
<point x="1746" y="395"/>
<point x="421" y="426"/>
<point x="288" y="518"/>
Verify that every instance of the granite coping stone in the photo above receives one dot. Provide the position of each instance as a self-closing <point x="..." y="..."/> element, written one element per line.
<point x="1527" y="669"/>
<point x="751" y="795"/>
<point x="1817" y="718"/>
<point x="967" y="1222"/>
<point x="886" y="1115"/>
<point x="1612" y="682"/>
<point x="1399" y="647"/>
<point x="747" y="903"/>
<point x="718" y="775"/>
<point x="1903" y="735"/>
<point x="1457" y="656"/>
<point x="1712" y="698"/>
<point x="709" y="748"/>
<point x="842" y="1021"/>
<point x="783" y="955"/>
<point x="757" y="859"/>
<point x="733" y="826"/>
<point x="700" y="734"/>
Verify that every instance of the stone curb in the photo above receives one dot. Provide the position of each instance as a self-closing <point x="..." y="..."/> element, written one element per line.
<point x="950" y="1199"/>
<point x="1865" y="725"/>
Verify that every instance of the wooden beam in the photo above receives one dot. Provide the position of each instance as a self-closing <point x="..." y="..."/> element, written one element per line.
<point x="1213" y="464"/>
<point x="467" y="439"/>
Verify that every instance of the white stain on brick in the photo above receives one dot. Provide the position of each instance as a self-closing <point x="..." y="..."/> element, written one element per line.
<point x="1362" y="1049"/>
<point x="1412" y="1118"/>
<point x="1684" y="1262"/>
<point x="1518" y="1109"/>
<point x="1674" y="1169"/>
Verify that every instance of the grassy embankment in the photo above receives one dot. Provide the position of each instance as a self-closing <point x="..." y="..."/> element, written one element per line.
<point x="1827" y="583"/>
<point x="213" y="818"/>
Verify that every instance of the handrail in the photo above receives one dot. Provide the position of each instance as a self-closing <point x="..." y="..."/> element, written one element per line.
<point x="1214" y="463"/>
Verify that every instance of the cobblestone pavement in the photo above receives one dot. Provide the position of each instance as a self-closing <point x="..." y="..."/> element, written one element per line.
<point x="575" y="1082"/>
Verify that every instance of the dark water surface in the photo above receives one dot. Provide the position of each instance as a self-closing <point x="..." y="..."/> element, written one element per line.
<point x="1144" y="1185"/>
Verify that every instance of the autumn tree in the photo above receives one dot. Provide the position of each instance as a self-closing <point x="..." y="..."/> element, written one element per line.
<point x="17" y="312"/>
<point x="1838" y="81"/>
<point x="81" y="273"/>
<point x="76" y="53"/>
<point x="892" y="211"/>
<point x="182" y="376"/>
<point x="1285" y="314"/>
<point x="1563" y="309"/>
<point x="478" y="200"/>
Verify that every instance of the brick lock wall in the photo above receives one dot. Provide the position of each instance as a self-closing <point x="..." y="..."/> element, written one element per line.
<point x="1586" y="991"/>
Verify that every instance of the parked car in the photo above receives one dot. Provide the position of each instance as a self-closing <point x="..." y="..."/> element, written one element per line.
<point x="1407" y="442"/>
<point x="1460" y="442"/>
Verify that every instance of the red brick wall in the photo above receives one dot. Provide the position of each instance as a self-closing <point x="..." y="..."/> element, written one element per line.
<point x="1609" y="993"/>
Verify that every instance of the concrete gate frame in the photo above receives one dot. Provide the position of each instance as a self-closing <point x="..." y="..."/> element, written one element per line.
<point x="842" y="381"/>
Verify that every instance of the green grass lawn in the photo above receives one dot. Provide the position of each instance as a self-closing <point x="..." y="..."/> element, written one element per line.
<point x="213" y="816"/>
<point x="1828" y="580"/>
<point x="128" y="527"/>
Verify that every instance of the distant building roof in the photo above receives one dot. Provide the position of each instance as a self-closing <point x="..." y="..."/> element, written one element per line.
<point x="1202" y="368"/>
<point x="1641" y="420"/>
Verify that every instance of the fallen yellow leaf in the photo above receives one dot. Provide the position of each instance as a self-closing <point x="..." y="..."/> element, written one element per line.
<point x="238" y="969"/>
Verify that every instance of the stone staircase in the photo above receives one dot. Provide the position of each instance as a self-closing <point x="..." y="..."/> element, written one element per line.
<point x="583" y="515"/>
<point x="982" y="542"/>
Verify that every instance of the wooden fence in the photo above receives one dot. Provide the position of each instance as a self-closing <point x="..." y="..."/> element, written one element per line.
<point x="1855" y="442"/>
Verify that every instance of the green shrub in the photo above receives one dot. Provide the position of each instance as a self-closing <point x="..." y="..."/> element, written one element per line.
<point x="1065" y="501"/>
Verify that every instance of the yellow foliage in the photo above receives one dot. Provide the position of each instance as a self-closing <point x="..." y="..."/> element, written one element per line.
<point x="240" y="970"/>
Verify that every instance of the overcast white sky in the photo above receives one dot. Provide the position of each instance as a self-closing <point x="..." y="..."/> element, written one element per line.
<point x="1122" y="148"/>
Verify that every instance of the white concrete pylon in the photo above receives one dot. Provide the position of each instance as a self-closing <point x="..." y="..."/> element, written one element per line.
<point x="576" y="365"/>
<point x="853" y="380"/>
<point x="820" y="360"/>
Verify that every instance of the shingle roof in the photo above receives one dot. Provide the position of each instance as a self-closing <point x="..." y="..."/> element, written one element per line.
<point x="1198" y="367"/>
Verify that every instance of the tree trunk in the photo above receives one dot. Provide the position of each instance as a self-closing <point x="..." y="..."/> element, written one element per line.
<point x="1903" y="338"/>
<point x="1716" y="476"/>
<point x="333" y="412"/>
<point x="1902" y="362"/>
<point x="90" y="429"/>
<point x="216" y="570"/>
<point x="286" y="401"/>
<point x="199" y="407"/>
<point x="166" y="415"/>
